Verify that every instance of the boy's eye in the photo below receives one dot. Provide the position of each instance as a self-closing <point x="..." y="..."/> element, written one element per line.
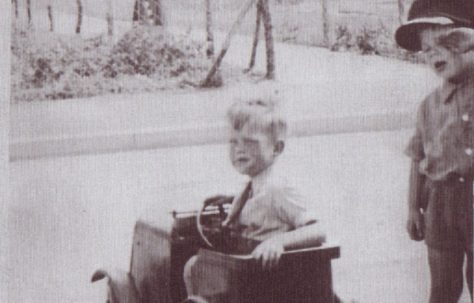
<point x="250" y="141"/>
<point x="425" y="49"/>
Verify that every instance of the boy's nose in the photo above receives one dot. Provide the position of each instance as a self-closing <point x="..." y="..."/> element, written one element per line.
<point x="239" y="153"/>
<point x="433" y="56"/>
<point x="431" y="53"/>
<point x="239" y="147"/>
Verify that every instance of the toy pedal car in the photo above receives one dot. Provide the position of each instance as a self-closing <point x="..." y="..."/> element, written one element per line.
<point x="228" y="274"/>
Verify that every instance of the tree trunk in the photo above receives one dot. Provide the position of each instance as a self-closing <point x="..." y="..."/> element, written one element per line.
<point x="156" y="11"/>
<point x="225" y="46"/>
<point x="28" y="12"/>
<point x="136" y="12"/>
<point x="110" y="18"/>
<point x="401" y="11"/>
<point x="325" y="16"/>
<point x="267" y="24"/>
<point x="255" y="37"/>
<point x="15" y="6"/>
<point x="50" y="17"/>
<point x="209" y="33"/>
<point x="79" y="16"/>
<point x="147" y="12"/>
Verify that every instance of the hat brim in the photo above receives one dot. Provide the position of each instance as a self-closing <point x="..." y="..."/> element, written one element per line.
<point x="408" y="35"/>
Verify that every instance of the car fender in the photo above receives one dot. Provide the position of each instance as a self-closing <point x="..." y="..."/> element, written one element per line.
<point x="121" y="285"/>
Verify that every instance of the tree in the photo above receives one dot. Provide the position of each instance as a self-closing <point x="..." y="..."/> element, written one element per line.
<point x="325" y="17"/>
<point x="50" y="17"/>
<point x="209" y="34"/>
<point x="269" y="45"/>
<point x="15" y="6"/>
<point x="263" y="15"/>
<point x="110" y="18"/>
<point x="28" y="12"/>
<point x="136" y="12"/>
<point x="155" y="5"/>
<point x="401" y="11"/>
<point x="255" y="37"/>
<point x="147" y="12"/>
<point x="79" y="16"/>
<point x="225" y="46"/>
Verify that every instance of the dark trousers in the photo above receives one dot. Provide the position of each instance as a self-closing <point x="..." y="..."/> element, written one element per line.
<point x="449" y="232"/>
<point x="446" y="267"/>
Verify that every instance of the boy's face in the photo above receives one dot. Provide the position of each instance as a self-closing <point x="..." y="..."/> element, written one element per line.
<point x="252" y="151"/>
<point x="443" y="56"/>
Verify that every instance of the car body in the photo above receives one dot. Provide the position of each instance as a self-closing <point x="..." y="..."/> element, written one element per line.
<point x="162" y="247"/>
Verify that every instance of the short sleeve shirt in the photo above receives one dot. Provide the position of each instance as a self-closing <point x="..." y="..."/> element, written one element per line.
<point x="444" y="136"/>
<point x="274" y="207"/>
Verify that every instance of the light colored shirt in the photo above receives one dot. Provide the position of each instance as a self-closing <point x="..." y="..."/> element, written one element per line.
<point x="274" y="207"/>
<point x="444" y="138"/>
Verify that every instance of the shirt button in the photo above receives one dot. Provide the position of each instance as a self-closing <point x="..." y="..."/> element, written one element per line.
<point x="468" y="151"/>
<point x="461" y="180"/>
<point x="465" y="117"/>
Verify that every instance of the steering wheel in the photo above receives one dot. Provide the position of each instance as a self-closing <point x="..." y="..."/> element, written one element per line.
<point x="209" y="221"/>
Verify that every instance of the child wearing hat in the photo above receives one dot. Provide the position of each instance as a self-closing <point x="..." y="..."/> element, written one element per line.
<point x="441" y="149"/>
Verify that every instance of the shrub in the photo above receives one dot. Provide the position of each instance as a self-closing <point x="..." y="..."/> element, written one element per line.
<point x="51" y="66"/>
<point x="343" y="39"/>
<point x="288" y="32"/>
<point x="371" y="40"/>
<point x="151" y="51"/>
<point x="43" y="61"/>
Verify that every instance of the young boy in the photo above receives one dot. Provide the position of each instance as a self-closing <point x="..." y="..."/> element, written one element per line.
<point x="269" y="209"/>
<point x="441" y="178"/>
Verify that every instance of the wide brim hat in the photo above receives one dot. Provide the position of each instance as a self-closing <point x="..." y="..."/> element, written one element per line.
<point x="424" y="13"/>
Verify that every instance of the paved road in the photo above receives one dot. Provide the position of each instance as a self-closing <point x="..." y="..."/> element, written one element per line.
<point x="314" y="83"/>
<point x="71" y="215"/>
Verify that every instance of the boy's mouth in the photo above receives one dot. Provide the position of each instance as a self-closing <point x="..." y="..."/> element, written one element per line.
<point x="440" y="65"/>
<point x="242" y="160"/>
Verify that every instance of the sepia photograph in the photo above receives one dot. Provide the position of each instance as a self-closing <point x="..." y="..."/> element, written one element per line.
<point x="236" y="151"/>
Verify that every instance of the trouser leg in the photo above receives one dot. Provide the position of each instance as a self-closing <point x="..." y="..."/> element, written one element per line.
<point x="469" y="271"/>
<point x="446" y="268"/>
<point x="188" y="277"/>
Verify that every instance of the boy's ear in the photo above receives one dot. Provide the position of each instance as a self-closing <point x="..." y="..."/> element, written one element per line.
<point x="279" y="147"/>
<point x="459" y="40"/>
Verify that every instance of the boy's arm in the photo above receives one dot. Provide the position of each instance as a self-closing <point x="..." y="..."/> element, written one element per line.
<point x="288" y="202"/>
<point x="415" y="223"/>
<point x="270" y="250"/>
<point x="303" y="237"/>
<point x="415" y="150"/>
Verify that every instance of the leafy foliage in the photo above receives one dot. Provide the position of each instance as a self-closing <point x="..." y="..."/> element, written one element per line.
<point x="148" y="51"/>
<point x="51" y="66"/>
<point x="370" y="41"/>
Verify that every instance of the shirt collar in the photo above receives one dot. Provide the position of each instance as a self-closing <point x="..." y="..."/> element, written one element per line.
<point x="448" y="89"/>
<point x="259" y="181"/>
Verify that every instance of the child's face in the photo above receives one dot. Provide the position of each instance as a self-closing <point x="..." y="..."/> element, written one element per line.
<point x="251" y="151"/>
<point x="444" y="58"/>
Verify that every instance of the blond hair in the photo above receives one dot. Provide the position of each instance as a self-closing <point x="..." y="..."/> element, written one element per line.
<point x="259" y="114"/>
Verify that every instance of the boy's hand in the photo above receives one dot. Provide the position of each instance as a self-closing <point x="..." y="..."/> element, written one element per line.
<point x="416" y="225"/>
<point x="269" y="253"/>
